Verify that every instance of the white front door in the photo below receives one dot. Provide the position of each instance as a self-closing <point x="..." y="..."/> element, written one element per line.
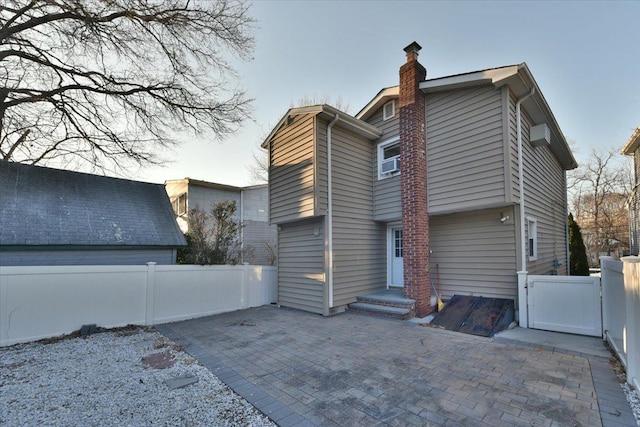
<point x="394" y="263"/>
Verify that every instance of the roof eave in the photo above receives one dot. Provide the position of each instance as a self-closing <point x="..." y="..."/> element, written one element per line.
<point x="632" y="144"/>
<point x="382" y="97"/>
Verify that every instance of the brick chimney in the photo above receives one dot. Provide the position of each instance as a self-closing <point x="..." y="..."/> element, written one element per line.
<point x="413" y="181"/>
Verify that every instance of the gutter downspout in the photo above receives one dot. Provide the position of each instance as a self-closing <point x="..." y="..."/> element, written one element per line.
<point x="242" y="227"/>
<point x="566" y="222"/>
<point x="330" y="211"/>
<point x="522" y="274"/>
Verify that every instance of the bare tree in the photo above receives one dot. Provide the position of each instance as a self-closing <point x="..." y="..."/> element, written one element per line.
<point x="105" y="83"/>
<point x="598" y="191"/>
<point x="259" y="167"/>
<point x="308" y="100"/>
<point x="213" y="236"/>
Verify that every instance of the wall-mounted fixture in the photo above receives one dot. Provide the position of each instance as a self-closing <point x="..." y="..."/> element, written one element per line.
<point x="503" y="218"/>
<point x="540" y="135"/>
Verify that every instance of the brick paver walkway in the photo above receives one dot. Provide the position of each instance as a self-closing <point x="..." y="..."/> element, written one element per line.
<point x="350" y="369"/>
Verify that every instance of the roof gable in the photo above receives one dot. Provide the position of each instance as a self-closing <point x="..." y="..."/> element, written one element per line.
<point x="51" y="207"/>
<point x="354" y="124"/>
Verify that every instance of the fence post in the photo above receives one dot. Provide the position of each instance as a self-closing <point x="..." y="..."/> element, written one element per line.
<point x="604" y="291"/>
<point x="151" y="276"/>
<point x="523" y="314"/>
<point x="244" y="303"/>
<point x="4" y="309"/>
<point x="632" y="296"/>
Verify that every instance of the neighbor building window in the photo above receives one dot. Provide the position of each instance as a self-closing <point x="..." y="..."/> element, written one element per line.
<point x="532" y="228"/>
<point x="389" y="110"/>
<point x="388" y="158"/>
<point x="180" y="204"/>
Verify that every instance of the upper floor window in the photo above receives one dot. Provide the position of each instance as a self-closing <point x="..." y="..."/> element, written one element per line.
<point x="389" y="110"/>
<point x="388" y="158"/>
<point x="532" y="228"/>
<point x="180" y="204"/>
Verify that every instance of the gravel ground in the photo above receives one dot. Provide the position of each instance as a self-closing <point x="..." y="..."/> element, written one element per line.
<point x="634" y="400"/>
<point x="114" y="378"/>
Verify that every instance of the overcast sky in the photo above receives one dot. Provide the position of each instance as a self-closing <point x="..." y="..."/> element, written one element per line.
<point x="585" y="57"/>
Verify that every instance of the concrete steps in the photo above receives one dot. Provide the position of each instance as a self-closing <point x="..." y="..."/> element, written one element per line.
<point x="388" y="303"/>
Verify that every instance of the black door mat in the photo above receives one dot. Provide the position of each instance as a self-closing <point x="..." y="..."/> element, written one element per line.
<point x="475" y="315"/>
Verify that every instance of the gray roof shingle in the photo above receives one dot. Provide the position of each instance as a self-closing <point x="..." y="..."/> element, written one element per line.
<point x="51" y="207"/>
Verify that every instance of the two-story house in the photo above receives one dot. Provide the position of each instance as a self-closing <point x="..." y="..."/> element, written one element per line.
<point x="456" y="182"/>
<point x="257" y="237"/>
<point x="632" y="148"/>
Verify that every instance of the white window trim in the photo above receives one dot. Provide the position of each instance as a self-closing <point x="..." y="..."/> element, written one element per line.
<point x="380" y="151"/>
<point x="176" y="203"/>
<point x="393" y="109"/>
<point x="532" y="234"/>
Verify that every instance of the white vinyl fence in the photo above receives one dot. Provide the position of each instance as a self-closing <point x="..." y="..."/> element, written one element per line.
<point x="42" y="302"/>
<point x="621" y="311"/>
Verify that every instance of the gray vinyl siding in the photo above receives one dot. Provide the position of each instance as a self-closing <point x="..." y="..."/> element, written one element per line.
<point x="546" y="201"/>
<point x="291" y="172"/>
<point x="259" y="243"/>
<point x="473" y="253"/>
<point x="205" y="198"/>
<point x="465" y="149"/>
<point x="321" y="166"/>
<point x="88" y="257"/>
<point x="513" y="141"/>
<point x="358" y="241"/>
<point x="387" y="202"/>
<point x="257" y="235"/>
<point x="301" y="266"/>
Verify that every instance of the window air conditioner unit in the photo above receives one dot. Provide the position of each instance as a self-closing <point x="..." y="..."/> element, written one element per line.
<point x="390" y="165"/>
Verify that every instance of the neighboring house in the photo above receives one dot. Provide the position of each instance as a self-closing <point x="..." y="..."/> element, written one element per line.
<point x="58" y="217"/>
<point x="258" y="238"/>
<point x="632" y="148"/>
<point x="362" y="203"/>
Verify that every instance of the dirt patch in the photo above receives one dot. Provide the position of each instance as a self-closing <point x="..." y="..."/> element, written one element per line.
<point x="159" y="360"/>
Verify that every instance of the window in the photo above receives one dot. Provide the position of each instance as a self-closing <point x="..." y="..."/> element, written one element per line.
<point x="388" y="158"/>
<point x="389" y="110"/>
<point x="532" y="227"/>
<point x="180" y="204"/>
<point x="397" y="243"/>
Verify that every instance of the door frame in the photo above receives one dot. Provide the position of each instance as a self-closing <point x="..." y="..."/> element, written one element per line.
<point x="390" y="252"/>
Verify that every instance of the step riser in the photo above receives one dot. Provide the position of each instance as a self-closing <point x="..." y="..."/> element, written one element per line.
<point x="410" y="306"/>
<point x="383" y="314"/>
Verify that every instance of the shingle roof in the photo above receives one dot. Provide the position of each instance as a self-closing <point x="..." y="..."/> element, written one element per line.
<point x="42" y="206"/>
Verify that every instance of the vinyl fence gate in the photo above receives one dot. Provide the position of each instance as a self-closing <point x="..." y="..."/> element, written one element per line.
<point x="569" y="304"/>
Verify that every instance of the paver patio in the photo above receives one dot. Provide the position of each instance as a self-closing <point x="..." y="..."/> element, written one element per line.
<point x="350" y="369"/>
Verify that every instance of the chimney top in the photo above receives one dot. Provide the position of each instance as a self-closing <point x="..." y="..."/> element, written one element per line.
<point x="412" y="51"/>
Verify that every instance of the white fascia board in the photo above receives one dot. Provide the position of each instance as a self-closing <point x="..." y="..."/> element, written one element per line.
<point x="382" y="97"/>
<point x="494" y="76"/>
<point x="632" y="144"/>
